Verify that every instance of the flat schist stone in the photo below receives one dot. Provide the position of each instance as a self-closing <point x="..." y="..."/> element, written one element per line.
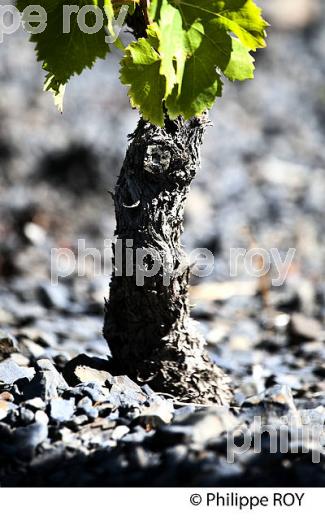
<point x="46" y="367"/>
<point x="88" y="375"/>
<point x="85" y="369"/>
<point x="10" y="372"/>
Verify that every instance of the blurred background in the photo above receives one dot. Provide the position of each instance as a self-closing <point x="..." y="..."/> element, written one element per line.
<point x="262" y="184"/>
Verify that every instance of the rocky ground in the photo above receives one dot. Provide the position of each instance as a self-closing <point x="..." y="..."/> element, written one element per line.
<point x="64" y="420"/>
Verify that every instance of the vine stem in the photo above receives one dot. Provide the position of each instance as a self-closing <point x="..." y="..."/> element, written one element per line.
<point x="144" y="5"/>
<point x="147" y="325"/>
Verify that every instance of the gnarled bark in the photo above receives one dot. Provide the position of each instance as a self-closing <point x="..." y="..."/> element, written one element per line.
<point x="148" y="327"/>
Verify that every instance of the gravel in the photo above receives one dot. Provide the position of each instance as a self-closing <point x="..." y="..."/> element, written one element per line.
<point x="64" y="419"/>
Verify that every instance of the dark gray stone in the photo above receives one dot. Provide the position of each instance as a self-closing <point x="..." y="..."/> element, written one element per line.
<point x="183" y="413"/>
<point x="124" y="392"/>
<point x="77" y="421"/>
<point x="22" y="442"/>
<point x="35" y="404"/>
<point x="85" y="406"/>
<point x="48" y="383"/>
<point x="137" y="435"/>
<point x="305" y="328"/>
<point x="62" y="409"/>
<point x="96" y="392"/>
<point x="32" y="349"/>
<point x="119" y="432"/>
<point x="278" y="395"/>
<point x="172" y="434"/>
<point x="54" y="296"/>
<point x="26" y="416"/>
<point x="10" y="372"/>
<point x="8" y="344"/>
<point x="45" y="365"/>
<point x="175" y="454"/>
<point x="29" y="437"/>
<point x="199" y="428"/>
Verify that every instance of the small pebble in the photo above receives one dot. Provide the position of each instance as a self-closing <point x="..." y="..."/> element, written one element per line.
<point x="36" y="404"/>
<point x="61" y="409"/>
<point x="7" y="396"/>
<point x="26" y="416"/>
<point x="119" y="432"/>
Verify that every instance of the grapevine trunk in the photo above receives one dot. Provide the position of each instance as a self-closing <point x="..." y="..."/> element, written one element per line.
<point x="147" y="319"/>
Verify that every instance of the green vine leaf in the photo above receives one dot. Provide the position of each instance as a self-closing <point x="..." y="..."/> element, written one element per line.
<point x="66" y="54"/>
<point x="178" y="68"/>
<point x="140" y="69"/>
<point x="196" y="43"/>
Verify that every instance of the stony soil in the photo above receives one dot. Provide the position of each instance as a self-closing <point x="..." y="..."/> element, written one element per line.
<point x="64" y="420"/>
